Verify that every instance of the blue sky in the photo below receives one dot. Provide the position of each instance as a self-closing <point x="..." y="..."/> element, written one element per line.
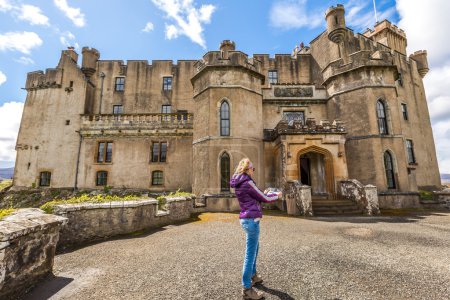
<point x="32" y="34"/>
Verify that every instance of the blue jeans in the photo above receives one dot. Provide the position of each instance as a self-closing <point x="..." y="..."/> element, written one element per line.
<point x="251" y="229"/>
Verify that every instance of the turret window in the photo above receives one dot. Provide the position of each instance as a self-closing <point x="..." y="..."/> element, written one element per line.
<point x="120" y="84"/>
<point x="381" y="114"/>
<point x="224" y="119"/>
<point x="225" y="172"/>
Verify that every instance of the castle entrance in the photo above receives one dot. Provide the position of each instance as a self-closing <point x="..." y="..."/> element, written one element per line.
<point x="315" y="167"/>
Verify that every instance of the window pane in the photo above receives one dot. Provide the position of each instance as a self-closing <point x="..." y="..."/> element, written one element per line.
<point x="225" y="127"/>
<point x="224" y="119"/>
<point x="120" y="83"/>
<point x="225" y="173"/>
<point x="410" y="150"/>
<point x="109" y="152"/>
<point x="381" y="113"/>
<point x="101" y="149"/>
<point x="273" y="77"/>
<point x="117" y="109"/>
<point x="157" y="178"/>
<point x="389" y="170"/>
<point x="405" y="112"/>
<point x="167" y="83"/>
<point x="163" y="152"/>
<point x="155" y="152"/>
<point x="45" y="178"/>
<point x="102" y="178"/>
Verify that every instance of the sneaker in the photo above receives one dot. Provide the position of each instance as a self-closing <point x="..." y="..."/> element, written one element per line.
<point x="251" y="293"/>
<point x="256" y="279"/>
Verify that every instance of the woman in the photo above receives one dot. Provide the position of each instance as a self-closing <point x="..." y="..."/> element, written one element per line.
<point x="250" y="198"/>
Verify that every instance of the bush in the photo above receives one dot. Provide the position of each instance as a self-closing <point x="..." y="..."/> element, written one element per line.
<point x="48" y="207"/>
<point x="6" y="212"/>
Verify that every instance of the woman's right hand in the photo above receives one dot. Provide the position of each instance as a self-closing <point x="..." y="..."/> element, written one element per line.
<point x="280" y="195"/>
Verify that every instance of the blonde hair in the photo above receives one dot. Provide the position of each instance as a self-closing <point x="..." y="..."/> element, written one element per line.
<point x="244" y="165"/>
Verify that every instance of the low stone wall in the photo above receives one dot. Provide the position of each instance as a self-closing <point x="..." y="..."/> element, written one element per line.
<point x="365" y="196"/>
<point x="221" y="203"/>
<point x="28" y="240"/>
<point x="394" y="200"/>
<point x="443" y="198"/>
<point x="88" y="222"/>
<point x="298" y="198"/>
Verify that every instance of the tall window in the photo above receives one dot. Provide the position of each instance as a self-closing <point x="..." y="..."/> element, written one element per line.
<point x="102" y="178"/>
<point x="157" y="178"/>
<point x="224" y="119"/>
<point x="410" y="150"/>
<point x="382" y="122"/>
<point x="225" y="172"/>
<point x="44" y="178"/>
<point x="405" y="112"/>
<point x="104" y="152"/>
<point x="167" y="83"/>
<point x="117" y="109"/>
<point x="389" y="167"/>
<point x="120" y="84"/>
<point x="273" y="76"/>
<point x="159" y="152"/>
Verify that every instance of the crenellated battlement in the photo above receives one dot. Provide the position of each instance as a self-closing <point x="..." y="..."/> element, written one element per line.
<point x="52" y="78"/>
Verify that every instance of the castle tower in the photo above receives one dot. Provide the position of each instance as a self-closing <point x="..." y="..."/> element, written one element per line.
<point x="422" y="62"/>
<point x="227" y="121"/>
<point x="90" y="58"/>
<point x="389" y="35"/>
<point x="335" y="17"/>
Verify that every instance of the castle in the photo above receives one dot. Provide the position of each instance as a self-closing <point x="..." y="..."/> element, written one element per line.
<point x="346" y="106"/>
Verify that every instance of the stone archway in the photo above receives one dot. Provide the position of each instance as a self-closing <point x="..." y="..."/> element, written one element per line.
<point x="315" y="168"/>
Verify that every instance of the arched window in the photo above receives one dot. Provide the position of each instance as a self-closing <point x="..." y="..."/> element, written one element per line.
<point x="102" y="178"/>
<point x="389" y="167"/>
<point x="224" y="119"/>
<point x="381" y="114"/>
<point x="225" y="172"/>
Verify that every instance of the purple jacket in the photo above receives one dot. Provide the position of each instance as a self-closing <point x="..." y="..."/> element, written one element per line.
<point x="249" y="196"/>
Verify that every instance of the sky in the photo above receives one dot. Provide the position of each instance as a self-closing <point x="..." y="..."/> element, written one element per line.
<point x="33" y="33"/>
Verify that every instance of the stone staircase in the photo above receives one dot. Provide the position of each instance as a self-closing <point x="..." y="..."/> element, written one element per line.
<point x="323" y="206"/>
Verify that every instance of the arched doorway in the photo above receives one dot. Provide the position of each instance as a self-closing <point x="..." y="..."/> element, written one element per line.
<point x="315" y="168"/>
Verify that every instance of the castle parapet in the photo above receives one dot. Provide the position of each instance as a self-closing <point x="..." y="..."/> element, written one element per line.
<point x="389" y="35"/>
<point x="52" y="78"/>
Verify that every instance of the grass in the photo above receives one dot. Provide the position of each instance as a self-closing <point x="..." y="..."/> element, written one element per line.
<point x="6" y="212"/>
<point x="48" y="207"/>
<point x="5" y="183"/>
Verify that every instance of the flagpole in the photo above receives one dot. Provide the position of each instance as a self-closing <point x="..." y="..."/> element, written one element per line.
<point x="375" y="9"/>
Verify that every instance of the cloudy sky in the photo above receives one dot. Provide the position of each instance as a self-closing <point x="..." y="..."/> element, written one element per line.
<point x="32" y="34"/>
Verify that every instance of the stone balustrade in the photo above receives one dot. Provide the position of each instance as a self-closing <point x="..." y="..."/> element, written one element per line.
<point x="365" y="196"/>
<point x="298" y="198"/>
<point x="28" y="240"/>
<point x="95" y="221"/>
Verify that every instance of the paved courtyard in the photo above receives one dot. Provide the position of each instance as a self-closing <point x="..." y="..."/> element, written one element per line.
<point x="388" y="257"/>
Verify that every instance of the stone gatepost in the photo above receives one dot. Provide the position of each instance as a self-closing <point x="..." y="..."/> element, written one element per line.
<point x="373" y="207"/>
<point x="298" y="198"/>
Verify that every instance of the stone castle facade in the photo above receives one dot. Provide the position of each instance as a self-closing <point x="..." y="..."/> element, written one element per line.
<point x="347" y="106"/>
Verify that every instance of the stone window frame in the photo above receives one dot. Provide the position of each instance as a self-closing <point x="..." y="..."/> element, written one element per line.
<point x="157" y="180"/>
<point x="98" y="177"/>
<point x="221" y="118"/>
<point x="394" y="168"/>
<point x="410" y="153"/>
<point x="119" y="84"/>
<point x="48" y="181"/>
<point x="224" y="182"/>
<point x="104" y="152"/>
<point x="404" y="110"/>
<point x="167" y="83"/>
<point x="160" y="151"/>
<point x="270" y="78"/>
<point x="385" y="118"/>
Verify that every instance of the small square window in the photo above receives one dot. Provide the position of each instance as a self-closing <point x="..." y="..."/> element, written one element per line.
<point x="167" y="83"/>
<point x="120" y="84"/>
<point x="157" y="178"/>
<point x="102" y="178"/>
<point x="44" y="178"/>
<point x="273" y="77"/>
<point x="117" y="109"/>
<point x="67" y="122"/>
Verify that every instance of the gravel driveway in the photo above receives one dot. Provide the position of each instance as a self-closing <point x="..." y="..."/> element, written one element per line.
<point x="389" y="257"/>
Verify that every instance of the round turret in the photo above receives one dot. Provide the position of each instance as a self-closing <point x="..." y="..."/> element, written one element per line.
<point x="335" y="17"/>
<point x="89" y="63"/>
<point x="422" y="62"/>
<point x="227" y="45"/>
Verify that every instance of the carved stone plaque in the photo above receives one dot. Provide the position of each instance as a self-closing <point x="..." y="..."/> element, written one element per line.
<point x="294" y="92"/>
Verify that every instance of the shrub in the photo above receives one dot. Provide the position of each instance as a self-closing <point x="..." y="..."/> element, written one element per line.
<point x="6" y="212"/>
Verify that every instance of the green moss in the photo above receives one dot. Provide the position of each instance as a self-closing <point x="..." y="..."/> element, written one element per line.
<point x="426" y="195"/>
<point x="48" y="207"/>
<point x="6" y="212"/>
<point x="4" y="184"/>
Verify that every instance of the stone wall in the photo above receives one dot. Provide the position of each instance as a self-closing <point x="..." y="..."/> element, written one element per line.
<point x="221" y="203"/>
<point x="395" y="200"/>
<point x="365" y="196"/>
<point x="443" y="198"/>
<point x="28" y="240"/>
<point x="298" y="198"/>
<point x="88" y="221"/>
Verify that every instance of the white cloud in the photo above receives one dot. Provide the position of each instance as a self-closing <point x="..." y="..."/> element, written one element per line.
<point x="423" y="25"/>
<point x="10" y="115"/>
<point x="148" y="27"/>
<point x="188" y="19"/>
<point x="67" y="39"/>
<point x="360" y="15"/>
<point x="2" y="78"/>
<point x="25" y="60"/>
<point x="290" y="14"/>
<point x="19" y="41"/>
<point x="74" y="14"/>
<point x="33" y="14"/>
<point x="5" y="5"/>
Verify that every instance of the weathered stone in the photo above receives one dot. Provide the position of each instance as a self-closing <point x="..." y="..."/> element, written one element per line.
<point x="298" y="198"/>
<point x="366" y="197"/>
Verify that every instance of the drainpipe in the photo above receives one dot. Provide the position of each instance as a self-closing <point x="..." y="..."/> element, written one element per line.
<point x="78" y="160"/>
<point x="102" y="75"/>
